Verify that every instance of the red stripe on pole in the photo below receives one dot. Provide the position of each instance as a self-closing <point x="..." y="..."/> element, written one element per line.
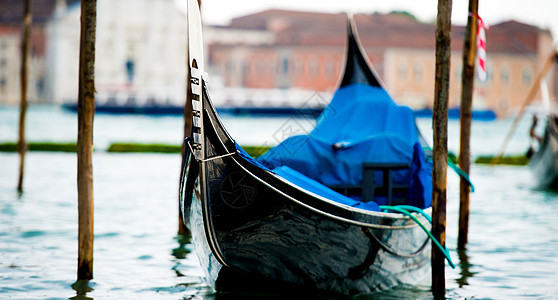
<point x="481" y="49"/>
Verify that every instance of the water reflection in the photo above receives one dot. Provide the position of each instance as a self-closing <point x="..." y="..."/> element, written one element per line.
<point x="181" y="251"/>
<point x="465" y="266"/>
<point x="280" y="291"/>
<point x="236" y="285"/>
<point x="82" y="288"/>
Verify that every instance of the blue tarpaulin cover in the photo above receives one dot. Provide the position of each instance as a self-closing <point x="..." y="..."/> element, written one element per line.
<point x="361" y="124"/>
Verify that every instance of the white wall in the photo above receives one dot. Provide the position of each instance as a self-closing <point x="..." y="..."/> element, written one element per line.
<point x="152" y="33"/>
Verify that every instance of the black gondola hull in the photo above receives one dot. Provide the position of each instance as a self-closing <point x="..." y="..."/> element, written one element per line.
<point x="281" y="240"/>
<point x="247" y="221"/>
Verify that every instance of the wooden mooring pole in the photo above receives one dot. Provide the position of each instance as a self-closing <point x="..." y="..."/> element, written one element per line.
<point x="24" y="67"/>
<point x="86" y="112"/>
<point x="467" y="88"/>
<point x="182" y="229"/>
<point x="440" y="126"/>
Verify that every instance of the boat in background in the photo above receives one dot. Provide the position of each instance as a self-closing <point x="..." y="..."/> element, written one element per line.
<point x="257" y="102"/>
<point x="268" y="105"/>
<point x="455" y="113"/>
<point x="339" y="210"/>
<point x="544" y="162"/>
<point x="130" y="103"/>
<point x="237" y="102"/>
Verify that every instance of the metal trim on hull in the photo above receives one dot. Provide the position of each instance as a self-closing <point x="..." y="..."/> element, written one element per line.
<point x="329" y="215"/>
<point x="196" y="71"/>
<point x="214" y="127"/>
<point x="383" y="280"/>
<point x="326" y="201"/>
<point x="345" y="220"/>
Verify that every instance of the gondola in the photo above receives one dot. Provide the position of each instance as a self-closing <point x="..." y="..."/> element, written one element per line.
<point x="343" y="209"/>
<point x="544" y="163"/>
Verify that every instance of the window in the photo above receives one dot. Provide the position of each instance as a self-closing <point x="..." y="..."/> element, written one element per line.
<point x="503" y="104"/>
<point x="527" y="76"/>
<point x="505" y="76"/>
<point x="299" y="68"/>
<point x="313" y="67"/>
<point x="130" y="69"/>
<point x="3" y="85"/>
<point x="418" y="72"/>
<point x="229" y="67"/>
<point x="261" y="67"/>
<point x="402" y="70"/>
<point x="330" y="69"/>
<point x="285" y="65"/>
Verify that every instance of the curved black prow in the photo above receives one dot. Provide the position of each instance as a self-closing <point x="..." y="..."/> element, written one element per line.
<point x="357" y="67"/>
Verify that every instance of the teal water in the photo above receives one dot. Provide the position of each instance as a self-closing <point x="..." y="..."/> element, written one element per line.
<point x="513" y="241"/>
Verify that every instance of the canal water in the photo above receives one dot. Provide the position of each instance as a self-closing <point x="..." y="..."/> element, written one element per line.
<point x="513" y="241"/>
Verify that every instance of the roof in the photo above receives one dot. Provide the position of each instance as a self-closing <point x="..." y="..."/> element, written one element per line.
<point x="11" y="11"/>
<point x="513" y="37"/>
<point x="394" y="30"/>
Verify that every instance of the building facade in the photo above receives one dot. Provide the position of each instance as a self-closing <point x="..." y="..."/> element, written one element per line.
<point x="10" y="65"/>
<point x="308" y="53"/>
<point x="140" y="51"/>
<point x="11" y="19"/>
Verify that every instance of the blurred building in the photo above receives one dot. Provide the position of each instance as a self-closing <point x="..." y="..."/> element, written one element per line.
<point x="263" y="57"/>
<point x="308" y="53"/>
<point x="11" y="20"/>
<point x="140" y="51"/>
<point x="9" y="67"/>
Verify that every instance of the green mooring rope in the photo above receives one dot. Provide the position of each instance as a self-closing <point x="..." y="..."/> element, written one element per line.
<point x="404" y="209"/>
<point x="461" y="173"/>
<point x="456" y="169"/>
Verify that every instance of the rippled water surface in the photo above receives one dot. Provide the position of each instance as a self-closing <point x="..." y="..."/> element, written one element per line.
<point x="513" y="241"/>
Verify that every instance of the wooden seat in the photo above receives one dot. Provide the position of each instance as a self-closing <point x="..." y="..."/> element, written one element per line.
<point x="369" y="188"/>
